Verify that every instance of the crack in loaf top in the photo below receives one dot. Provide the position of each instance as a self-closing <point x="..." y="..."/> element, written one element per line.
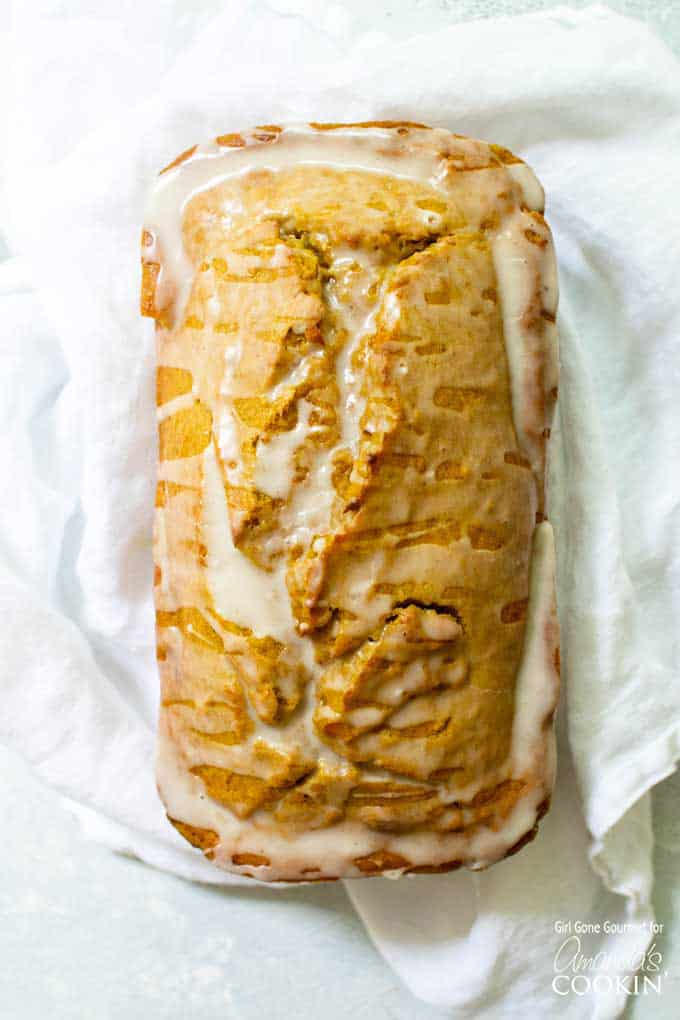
<point x="357" y="366"/>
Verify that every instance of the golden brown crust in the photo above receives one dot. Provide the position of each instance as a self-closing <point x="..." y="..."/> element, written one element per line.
<point x="366" y="124"/>
<point x="183" y="156"/>
<point x="413" y="595"/>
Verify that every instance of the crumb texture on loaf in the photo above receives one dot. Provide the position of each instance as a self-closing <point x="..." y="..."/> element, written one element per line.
<point x="357" y="366"/>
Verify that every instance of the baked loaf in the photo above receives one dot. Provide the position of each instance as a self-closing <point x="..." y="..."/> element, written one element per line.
<point x="357" y="365"/>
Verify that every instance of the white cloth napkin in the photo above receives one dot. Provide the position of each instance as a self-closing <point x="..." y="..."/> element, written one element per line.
<point x="102" y="99"/>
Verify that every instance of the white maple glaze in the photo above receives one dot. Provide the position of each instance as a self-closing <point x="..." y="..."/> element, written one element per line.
<point x="537" y="682"/>
<point x="518" y="266"/>
<point x="170" y="407"/>
<point x="356" y="313"/>
<point x="274" y="456"/>
<point x="258" y="598"/>
<point x="241" y="592"/>
<point x="226" y="431"/>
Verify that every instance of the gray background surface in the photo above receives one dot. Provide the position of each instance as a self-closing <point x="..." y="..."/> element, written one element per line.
<point x="88" y="934"/>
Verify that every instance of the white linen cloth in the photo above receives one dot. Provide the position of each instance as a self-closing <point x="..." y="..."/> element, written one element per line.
<point x="104" y="95"/>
